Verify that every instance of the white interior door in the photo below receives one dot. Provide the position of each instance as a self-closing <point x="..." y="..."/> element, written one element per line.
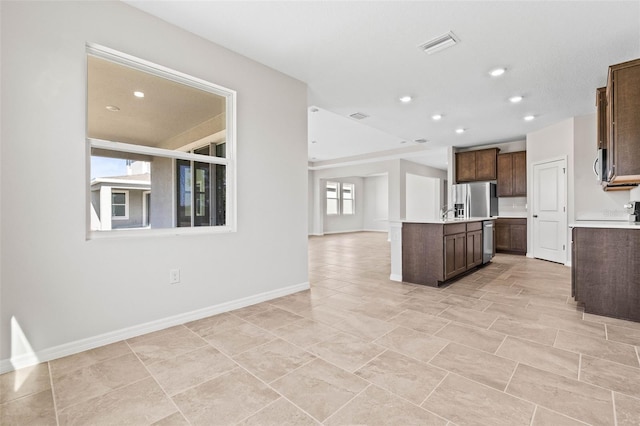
<point x="550" y="211"/>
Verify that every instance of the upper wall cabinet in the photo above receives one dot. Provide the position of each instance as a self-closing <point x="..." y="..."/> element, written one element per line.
<point x="473" y="166"/>
<point x="512" y="174"/>
<point x="601" y="108"/>
<point x="623" y="110"/>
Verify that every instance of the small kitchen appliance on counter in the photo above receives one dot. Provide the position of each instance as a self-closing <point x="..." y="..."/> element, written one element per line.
<point x="633" y="207"/>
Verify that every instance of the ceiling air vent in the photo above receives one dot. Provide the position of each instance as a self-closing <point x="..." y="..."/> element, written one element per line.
<point x="421" y="141"/>
<point x="439" y="43"/>
<point x="358" y="115"/>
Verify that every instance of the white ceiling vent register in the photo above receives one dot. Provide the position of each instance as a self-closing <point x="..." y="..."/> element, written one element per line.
<point x="439" y="43"/>
<point x="421" y="141"/>
<point x="358" y="115"/>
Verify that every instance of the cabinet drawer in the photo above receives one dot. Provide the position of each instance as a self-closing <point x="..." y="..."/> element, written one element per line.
<point x="511" y="221"/>
<point x="455" y="228"/>
<point x="474" y="226"/>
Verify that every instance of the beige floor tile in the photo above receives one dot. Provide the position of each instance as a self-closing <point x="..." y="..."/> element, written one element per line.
<point x="167" y="346"/>
<point x="476" y="365"/>
<point x="142" y="402"/>
<point x="418" y="321"/>
<point x="469" y="316"/>
<point x="623" y="335"/>
<point x="404" y="376"/>
<point x="507" y="299"/>
<point x="412" y="343"/>
<point x="428" y="293"/>
<point x="528" y="330"/>
<point x="273" y="318"/>
<point x="156" y="334"/>
<point x="279" y="413"/>
<point x="23" y="382"/>
<point x="273" y="360"/>
<point x="326" y="314"/>
<point x="568" y="312"/>
<point x="175" y="419"/>
<point x="346" y="351"/>
<point x="251" y="310"/>
<point x="376" y="406"/>
<point x="70" y="363"/>
<point x="305" y="332"/>
<point x="575" y="399"/>
<point x="190" y="369"/>
<point x="316" y="293"/>
<point x="425" y="306"/>
<point x="610" y="375"/>
<point x="364" y="327"/>
<point x="573" y="325"/>
<point x="239" y="339"/>
<point x="627" y="410"/>
<point x="513" y="312"/>
<point x="612" y="321"/>
<point x="378" y="310"/>
<point x="35" y="409"/>
<point x="330" y="283"/>
<point x="544" y="417"/>
<point x="209" y="325"/>
<point x="478" y="338"/>
<point x="319" y="388"/>
<point x="226" y="399"/>
<point x="599" y="348"/>
<point x="465" y="402"/>
<point x="544" y="357"/>
<point x="463" y="291"/>
<point x="466" y="302"/>
<point x="97" y="379"/>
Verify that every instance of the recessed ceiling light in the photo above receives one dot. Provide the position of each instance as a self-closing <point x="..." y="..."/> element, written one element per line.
<point x="405" y="99"/>
<point x="112" y="108"/>
<point x="497" y="72"/>
<point x="529" y="117"/>
<point x="460" y="130"/>
<point x="515" y="99"/>
<point x="436" y="117"/>
<point x="138" y="94"/>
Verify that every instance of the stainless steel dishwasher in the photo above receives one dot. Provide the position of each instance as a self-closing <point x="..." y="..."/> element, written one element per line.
<point x="487" y="241"/>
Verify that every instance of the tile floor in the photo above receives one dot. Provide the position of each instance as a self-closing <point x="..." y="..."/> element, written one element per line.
<point x="503" y="346"/>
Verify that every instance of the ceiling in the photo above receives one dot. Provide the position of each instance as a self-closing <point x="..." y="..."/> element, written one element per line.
<point x="360" y="56"/>
<point x="167" y="109"/>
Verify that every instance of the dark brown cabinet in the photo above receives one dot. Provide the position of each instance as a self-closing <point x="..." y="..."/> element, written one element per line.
<point x="623" y="110"/>
<point x="512" y="174"/>
<point x="605" y="268"/>
<point x="511" y="235"/>
<point x="433" y="253"/>
<point x="474" y="166"/>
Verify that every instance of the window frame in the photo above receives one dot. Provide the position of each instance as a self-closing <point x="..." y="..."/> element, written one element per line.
<point x="352" y="199"/>
<point x="126" y="204"/>
<point x="337" y="198"/>
<point x="229" y="160"/>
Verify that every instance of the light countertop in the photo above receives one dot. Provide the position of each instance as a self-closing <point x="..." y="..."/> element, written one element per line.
<point x="604" y="224"/>
<point x="451" y="220"/>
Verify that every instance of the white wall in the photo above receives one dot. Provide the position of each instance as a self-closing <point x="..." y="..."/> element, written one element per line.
<point x="61" y="288"/>
<point x="422" y="197"/>
<point x="376" y="203"/>
<point x="395" y="171"/>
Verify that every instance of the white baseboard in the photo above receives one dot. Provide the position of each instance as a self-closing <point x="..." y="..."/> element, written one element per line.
<point x="395" y="277"/>
<point x="343" y="232"/>
<point x="315" y="235"/>
<point x="375" y="230"/>
<point x="48" y="354"/>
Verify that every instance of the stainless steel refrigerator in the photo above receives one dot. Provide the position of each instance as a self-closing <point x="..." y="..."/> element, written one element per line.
<point x="477" y="199"/>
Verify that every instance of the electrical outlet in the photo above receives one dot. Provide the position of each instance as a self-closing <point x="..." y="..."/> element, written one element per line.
<point x="174" y="276"/>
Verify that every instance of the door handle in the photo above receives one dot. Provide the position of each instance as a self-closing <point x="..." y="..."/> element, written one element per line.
<point x="535" y="215"/>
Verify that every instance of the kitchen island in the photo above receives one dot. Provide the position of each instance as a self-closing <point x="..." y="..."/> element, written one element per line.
<point x="438" y="251"/>
<point x="605" y="268"/>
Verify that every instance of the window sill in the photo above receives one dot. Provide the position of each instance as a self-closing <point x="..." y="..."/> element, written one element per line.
<point x="167" y="232"/>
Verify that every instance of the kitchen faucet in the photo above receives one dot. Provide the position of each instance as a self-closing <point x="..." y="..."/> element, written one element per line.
<point x="444" y="211"/>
